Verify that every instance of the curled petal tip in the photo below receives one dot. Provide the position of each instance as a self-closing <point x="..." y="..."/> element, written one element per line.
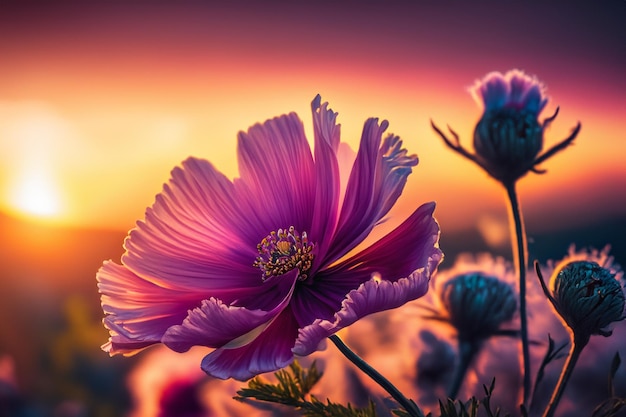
<point x="316" y="103"/>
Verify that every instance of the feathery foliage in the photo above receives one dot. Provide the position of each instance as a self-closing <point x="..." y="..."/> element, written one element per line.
<point x="293" y="389"/>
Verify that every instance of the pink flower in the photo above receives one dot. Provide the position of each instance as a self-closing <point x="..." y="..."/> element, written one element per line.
<point x="257" y="268"/>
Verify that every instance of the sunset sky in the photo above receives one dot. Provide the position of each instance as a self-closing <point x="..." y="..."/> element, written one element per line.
<point x="99" y="103"/>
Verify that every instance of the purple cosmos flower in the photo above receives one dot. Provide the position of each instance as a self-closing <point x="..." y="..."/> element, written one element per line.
<point x="257" y="268"/>
<point x="509" y="136"/>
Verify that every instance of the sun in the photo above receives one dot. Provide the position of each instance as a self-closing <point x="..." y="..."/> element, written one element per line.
<point x="36" y="195"/>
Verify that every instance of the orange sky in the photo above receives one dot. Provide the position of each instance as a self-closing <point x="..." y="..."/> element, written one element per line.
<point x="98" y="103"/>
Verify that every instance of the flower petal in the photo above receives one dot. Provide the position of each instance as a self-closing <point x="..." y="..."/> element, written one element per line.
<point x="377" y="276"/>
<point x="534" y="100"/>
<point x="215" y="324"/>
<point x="270" y="351"/>
<point x="138" y="312"/>
<point x="327" y="184"/>
<point x="195" y="224"/>
<point x="491" y="92"/>
<point x="277" y="173"/>
<point x="407" y="248"/>
<point x="410" y="246"/>
<point x="377" y="179"/>
<point x="519" y="83"/>
<point x="526" y="92"/>
<point x="371" y="297"/>
<point x="515" y="89"/>
<point x="321" y="298"/>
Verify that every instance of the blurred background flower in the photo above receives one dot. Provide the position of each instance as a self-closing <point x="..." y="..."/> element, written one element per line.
<point x="420" y="355"/>
<point x="168" y="384"/>
<point x="595" y="360"/>
<point x="165" y="383"/>
<point x="477" y="303"/>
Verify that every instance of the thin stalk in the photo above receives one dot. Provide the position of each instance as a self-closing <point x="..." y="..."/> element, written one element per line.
<point x="467" y="352"/>
<point x="518" y="244"/>
<point x="577" y="347"/>
<point x="407" y="404"/>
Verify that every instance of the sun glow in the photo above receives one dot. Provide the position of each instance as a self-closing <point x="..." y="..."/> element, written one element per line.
<point x="36" y="195"/>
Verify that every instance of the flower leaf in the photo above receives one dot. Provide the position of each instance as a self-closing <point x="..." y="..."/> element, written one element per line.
<point x="552" y="353"/>
<point x="292" y="386"/>
<point x="316" y="408"/>
<point x="470" y="408"/>
<point x="292" y="389"/>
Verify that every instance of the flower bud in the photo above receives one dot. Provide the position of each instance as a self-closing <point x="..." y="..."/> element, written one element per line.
<point x="477" y="304"/>
<point x="508" y="137"/>
<point x="587" y="297"/>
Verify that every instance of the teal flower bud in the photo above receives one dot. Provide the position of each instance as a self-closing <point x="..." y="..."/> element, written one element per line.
<point x="508" y="137"/>
<point x="476" y="299"/>
<point x="588" y="297"/>
<point x="477" y="305"/>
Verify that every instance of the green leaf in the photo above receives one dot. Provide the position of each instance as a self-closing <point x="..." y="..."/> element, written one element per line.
<point x="470" y="408"/>
<point x="318" y="408"/>
<point x="552" y="353"/>
<point x="292" y="386"/>
<point x="292" y="389"/>
<point x="306" y="379"/>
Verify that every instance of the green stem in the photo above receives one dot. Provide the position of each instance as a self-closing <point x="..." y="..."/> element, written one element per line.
<point x="407" y="404"/>
<point x="518" y="243"/>
<point x="577" y="347"/>
<point x="467" y="352"/>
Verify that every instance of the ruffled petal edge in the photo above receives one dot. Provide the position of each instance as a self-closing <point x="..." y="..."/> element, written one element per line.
<point x="372" y="296"/>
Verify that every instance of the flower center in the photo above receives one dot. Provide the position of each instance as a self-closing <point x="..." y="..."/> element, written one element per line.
<point x="284" y="250"/>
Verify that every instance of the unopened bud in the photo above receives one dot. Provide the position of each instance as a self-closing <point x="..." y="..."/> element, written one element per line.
<point x="508" y="137"/>
<point x="587" y="297"/>
<point x="477" y="304"/>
